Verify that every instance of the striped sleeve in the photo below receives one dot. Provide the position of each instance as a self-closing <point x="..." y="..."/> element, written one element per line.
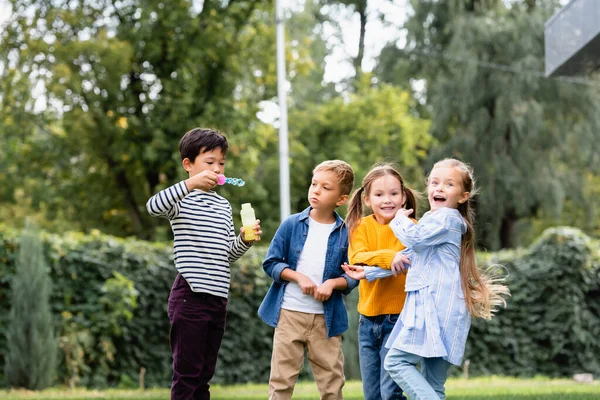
<point x="166" y="202"/>
<point x="237" y="247"/>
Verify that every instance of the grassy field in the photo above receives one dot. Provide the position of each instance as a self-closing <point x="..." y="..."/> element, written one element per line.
<point x="493" y="388"/>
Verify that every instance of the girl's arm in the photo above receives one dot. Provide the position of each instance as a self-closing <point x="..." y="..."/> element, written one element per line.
<point x="442" y="226"/>
<point x="402" y="257"/>
<point x="359" y="251"/>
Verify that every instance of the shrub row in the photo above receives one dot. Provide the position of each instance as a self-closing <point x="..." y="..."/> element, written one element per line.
<point x="110" y="296"/>
<point x="551" y="325"/>
<point x="110" y="304"/>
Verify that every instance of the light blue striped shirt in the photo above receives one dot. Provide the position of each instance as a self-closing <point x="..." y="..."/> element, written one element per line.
<point x="434" y="321"/>
<point x="204" y="236"/>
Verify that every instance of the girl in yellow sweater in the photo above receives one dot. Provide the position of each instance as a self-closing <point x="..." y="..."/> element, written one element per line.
<point x="373" y="243"/>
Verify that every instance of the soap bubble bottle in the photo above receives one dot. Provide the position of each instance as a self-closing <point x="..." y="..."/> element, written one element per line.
<point x="248" y="221"/>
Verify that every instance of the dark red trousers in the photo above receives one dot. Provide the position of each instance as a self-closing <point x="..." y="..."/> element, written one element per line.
<point x="197" y="327"/>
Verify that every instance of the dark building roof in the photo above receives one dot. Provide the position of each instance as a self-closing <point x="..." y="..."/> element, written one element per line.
<point x="572" y="39"/>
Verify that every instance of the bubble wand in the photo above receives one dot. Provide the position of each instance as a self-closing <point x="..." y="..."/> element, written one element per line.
<point x="232" y="181"/>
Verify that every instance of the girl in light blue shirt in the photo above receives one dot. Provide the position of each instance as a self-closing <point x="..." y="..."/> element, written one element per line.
<point x="444" y="287"/>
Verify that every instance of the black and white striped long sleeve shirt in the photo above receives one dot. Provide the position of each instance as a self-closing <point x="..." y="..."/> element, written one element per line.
<point x="204" y="236"/>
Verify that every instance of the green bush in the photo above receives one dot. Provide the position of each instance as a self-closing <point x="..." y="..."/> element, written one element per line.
<point x="551" y="325"/>
<point x="110" y="298"/>
<point x="31" y="357"/>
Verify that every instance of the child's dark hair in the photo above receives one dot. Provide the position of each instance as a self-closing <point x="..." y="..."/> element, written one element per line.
<point x="355" y="209"/>
<point x="202" y="140"/>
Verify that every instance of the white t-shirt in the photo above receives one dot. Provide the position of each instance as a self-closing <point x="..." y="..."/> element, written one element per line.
<point x="312" y="264"/>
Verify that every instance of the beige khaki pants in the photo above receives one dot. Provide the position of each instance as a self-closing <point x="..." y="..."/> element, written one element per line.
<point x="296" y="331"/>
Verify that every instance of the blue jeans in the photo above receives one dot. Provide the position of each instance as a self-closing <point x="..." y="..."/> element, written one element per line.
<point x="373" y="333"/>
<point x="425" y="385"/>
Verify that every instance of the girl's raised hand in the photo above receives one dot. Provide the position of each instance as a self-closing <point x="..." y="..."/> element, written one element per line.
<point x="400" y="264"/>
<point x="356" y="272"/>
<point x="404" y="211"/>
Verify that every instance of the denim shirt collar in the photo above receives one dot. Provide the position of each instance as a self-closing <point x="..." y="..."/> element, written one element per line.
<point x="306" y="213"/>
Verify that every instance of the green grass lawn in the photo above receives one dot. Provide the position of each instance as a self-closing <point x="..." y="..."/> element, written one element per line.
<point x="492" y="388"/>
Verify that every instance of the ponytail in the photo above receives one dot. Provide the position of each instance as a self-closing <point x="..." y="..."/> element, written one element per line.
<point x="411" y="201"/>
<point x="354" y="209"/>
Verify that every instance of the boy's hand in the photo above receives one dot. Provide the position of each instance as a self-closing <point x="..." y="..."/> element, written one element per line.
<point x="398" y="264"/>
<point x="356" y="272"/>
<point x="257" y="232"/>
<point x="205" y="180"/>
<point x="323" y="292"/>
<point x="404" y="211"/>
<point x="306" y="284"/>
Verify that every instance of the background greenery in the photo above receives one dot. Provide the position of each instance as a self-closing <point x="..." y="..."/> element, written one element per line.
<point x="95" y="96"/>
<point x="110" y="296"/>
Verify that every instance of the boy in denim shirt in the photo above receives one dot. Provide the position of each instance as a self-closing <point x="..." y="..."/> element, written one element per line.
<point x="305" y="303"/>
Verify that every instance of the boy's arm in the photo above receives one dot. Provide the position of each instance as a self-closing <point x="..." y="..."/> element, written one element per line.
<point x="350" y="283"/>
<point x="166" y="202"/>
<point x="437" y="228"/>
<point x="275" y="261"/>
<point x="306" y="284"/>
<point x="360" y="253"/>
<point x="238" y="246"/>
<point x="324" y="291"/>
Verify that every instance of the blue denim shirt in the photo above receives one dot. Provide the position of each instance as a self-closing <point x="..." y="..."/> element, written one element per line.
<point x="284" y="252"/>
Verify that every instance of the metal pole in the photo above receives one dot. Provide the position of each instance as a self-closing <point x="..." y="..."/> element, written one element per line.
<point x="284" y="167"/>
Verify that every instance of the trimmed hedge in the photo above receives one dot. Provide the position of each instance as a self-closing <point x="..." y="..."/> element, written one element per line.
<point x="110" y="298"/>
<point x="110" y="305"/>
<point x="551" y="325"/>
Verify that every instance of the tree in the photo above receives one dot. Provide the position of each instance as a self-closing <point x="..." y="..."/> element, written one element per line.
<point x="122" y="82"/>
<point x="372" y="125"/>
<point x="31" y="356"/>
<point x="527" y="137"/>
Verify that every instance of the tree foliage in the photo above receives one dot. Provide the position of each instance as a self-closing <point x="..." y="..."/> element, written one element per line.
<point x="122" y="82"/>
<point x="528" y="138"/>
<point x="373" y="125"/>
<point x="95" y="96"/>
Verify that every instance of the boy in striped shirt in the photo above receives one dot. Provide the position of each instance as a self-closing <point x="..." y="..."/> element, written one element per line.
<point x="204" y="246"/>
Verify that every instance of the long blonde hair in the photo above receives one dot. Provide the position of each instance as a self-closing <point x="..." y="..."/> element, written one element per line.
<point x="483" y="293"/>
<point x="355" y="208"/>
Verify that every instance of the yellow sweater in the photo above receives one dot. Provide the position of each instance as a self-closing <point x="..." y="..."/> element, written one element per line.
<point x="374" y="244"/>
